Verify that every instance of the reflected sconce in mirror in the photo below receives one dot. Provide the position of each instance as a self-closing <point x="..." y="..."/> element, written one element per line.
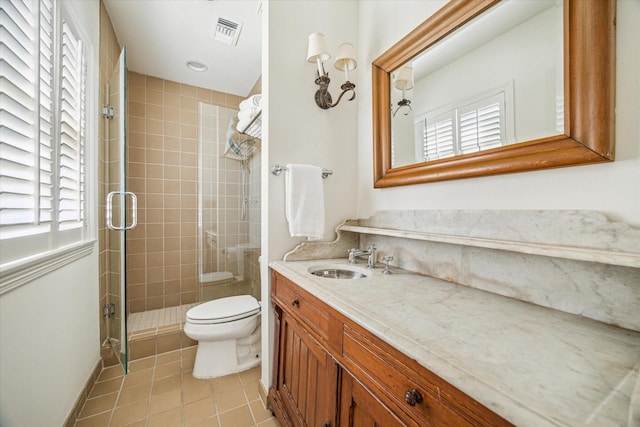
<point x="345" y="61"/>
<point x="404" y="82"/>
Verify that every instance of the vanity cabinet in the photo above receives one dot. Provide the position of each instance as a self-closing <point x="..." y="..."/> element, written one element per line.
<point x="329" y="371"/>
<point x="360" y="408"/>
<point x="305" y="374"/>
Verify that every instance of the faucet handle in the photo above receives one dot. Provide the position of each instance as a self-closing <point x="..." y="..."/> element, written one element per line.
<point x="352" y="255"/>
<point x="386" y="260"/>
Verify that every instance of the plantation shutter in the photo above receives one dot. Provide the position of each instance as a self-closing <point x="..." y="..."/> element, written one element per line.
<point x="26" y="68"/>
<point x="438" y="136"/>
<point x="43" y="72"/>
<point x="72" y="94"/>
<point x="480" y="125"/>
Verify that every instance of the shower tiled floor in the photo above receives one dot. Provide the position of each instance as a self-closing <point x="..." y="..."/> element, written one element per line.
<point x="160" y="391"/>
<point x="153" y="320"/>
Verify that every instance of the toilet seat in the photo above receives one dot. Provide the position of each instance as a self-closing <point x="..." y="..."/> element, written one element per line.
<point x="223" y="310"/>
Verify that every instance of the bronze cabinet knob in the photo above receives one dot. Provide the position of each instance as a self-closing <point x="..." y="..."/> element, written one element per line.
<point x="295" y="303"/>
<point x="412" y="397"/>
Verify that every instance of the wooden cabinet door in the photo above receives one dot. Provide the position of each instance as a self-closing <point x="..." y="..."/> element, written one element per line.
<point x="307" y="377"/>
<point x="360" y="408"/>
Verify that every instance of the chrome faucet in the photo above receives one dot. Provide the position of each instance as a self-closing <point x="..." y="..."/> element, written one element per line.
<point x="370" y="254"/>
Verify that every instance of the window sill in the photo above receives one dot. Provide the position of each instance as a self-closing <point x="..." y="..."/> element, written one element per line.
<point x="18" y="273"/>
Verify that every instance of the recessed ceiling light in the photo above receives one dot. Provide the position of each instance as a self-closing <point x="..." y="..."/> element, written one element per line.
<point x="197" y="66"/>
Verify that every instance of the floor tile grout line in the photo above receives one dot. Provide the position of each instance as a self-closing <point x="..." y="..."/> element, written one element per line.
<point x="183" y="374"/>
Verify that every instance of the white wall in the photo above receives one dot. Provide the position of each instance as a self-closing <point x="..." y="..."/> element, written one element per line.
<point x="612" y="188"/>
<point x="50" y="344"/>
<point x="49" y="330"/>
<point x="297" y="130"/>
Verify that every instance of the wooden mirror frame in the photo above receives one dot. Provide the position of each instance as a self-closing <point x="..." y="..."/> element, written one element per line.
<point x="589" y="91"/>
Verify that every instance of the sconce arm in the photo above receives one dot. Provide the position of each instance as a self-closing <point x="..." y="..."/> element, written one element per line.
<point x="323" y="97"/>
<point x="403" y="103"/>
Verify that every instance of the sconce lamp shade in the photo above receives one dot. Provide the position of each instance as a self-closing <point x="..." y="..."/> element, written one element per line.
<point x="346" y="58"/>
<point x="317" y="48"/>
<point x="404" y="80"/>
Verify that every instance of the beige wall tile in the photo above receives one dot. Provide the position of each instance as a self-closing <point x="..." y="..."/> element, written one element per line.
<point x="218" y="98"/>
<point x="155" y="112"/>
<point x="189" y="118"/>
<point x="136" y="124"/>
<point x="136" y="93"/>
<point x="188" y="103"/>
<point x="154" y="142"/>
<point x="171" y="87"/>
<point x="155" y="97"/>
<point x="156" y="157"/>
<point x="171" y="113"/>
<point x="155" y="127"/>
<point x="135" y="79"/>
<point x="155" y="83"/>
<point x="188" y="90"/>
<point x="136" y="109"/>
<point x="172" y="143"/>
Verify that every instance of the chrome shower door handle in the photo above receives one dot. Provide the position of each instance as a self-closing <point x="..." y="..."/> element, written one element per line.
<point x="134" y="210"/>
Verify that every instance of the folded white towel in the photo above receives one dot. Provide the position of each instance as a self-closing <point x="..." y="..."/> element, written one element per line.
<point x="304" y="201"/>
<point x="248" y="113"/>
<point x="252" y="101"/>
<point x="242" y="125"/>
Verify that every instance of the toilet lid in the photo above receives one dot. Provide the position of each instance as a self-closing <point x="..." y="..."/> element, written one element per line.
<point x="224" y="309"/>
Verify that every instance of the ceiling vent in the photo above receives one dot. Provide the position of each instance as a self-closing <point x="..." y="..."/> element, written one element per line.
<point x="228" y="31"/>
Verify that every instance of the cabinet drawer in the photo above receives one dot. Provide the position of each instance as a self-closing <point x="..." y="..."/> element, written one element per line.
<point x="301" y="304"/>
<point x="414" y="390"/>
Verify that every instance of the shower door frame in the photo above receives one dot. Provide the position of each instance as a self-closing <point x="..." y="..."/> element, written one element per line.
<point x="116" y="211"/>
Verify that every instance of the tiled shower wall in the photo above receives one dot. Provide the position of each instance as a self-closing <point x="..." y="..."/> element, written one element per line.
<point x="162" y="162"/>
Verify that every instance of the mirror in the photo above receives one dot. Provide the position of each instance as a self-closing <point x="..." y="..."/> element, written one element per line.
<point x="421" y="113"/>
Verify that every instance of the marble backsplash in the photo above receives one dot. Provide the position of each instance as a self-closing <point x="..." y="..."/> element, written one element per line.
<point x="593" y="270"/>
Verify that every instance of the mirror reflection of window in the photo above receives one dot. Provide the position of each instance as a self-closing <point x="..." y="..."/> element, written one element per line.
<point x="479" y="123"/>
<point x="519" y="42"/>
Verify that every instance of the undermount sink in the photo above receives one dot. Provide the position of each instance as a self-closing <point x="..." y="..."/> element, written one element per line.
<point x="337" y="273"/>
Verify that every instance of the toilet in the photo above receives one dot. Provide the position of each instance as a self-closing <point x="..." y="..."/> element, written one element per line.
<point x="228" y="335"/>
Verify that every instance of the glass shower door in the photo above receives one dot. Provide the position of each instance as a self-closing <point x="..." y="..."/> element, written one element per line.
<point x="120" y="210"/>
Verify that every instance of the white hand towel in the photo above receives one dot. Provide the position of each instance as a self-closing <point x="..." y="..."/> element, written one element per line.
<point x="304" y="201"/>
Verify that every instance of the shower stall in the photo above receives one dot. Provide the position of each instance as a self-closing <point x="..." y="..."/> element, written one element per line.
<point x="198" y="212"/>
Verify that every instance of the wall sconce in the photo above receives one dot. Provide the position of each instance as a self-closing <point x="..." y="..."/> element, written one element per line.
<point x="345" y="61"/>
<point x="404" y="82"/>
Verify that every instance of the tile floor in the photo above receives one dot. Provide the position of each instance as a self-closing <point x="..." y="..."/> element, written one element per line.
<point x="160" y="391"/>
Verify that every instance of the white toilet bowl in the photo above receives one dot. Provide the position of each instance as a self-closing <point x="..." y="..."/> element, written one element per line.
<point x="228" y="335"/>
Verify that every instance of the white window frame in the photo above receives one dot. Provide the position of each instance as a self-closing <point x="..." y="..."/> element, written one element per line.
<point x="26" y="257"/>
<point x="450" y="115"/>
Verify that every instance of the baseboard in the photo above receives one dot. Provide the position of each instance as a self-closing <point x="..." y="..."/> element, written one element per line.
<point x="84" y="393"/>
<point x="262" y="391"/>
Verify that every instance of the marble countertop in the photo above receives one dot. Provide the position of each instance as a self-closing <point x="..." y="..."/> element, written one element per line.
<point x="532" y="365"/>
